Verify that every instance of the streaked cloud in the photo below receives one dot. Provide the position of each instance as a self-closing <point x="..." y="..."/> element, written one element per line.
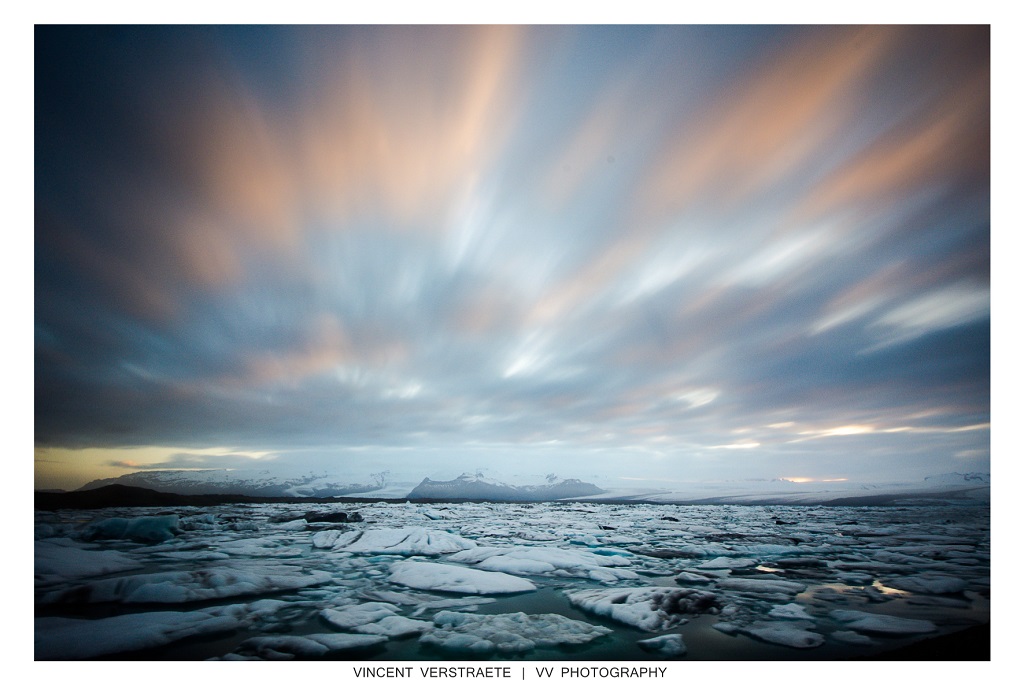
<point x="687" y="247"/>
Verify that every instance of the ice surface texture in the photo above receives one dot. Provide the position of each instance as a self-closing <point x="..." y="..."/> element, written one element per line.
<point x="188" y="586"/>
<point x="406" y="541"/>
<point x="507" y="633"/>
<point x="667" y="645"/>
<point x="439" y="577"/>
<point x="646" y="608"/>
<point x="73" y="638"/>
<point x="150" y="530"/>
<point x="548" y="560"/>
<point x="882" y="624"/>
<point x="61" y="562"/>
<point x="810" y="582"/>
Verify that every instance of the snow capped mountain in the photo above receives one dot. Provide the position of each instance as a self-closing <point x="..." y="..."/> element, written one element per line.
<point x="479" y="487"/>
<point x="260" y="483"/>
<point x="294" y="483"/>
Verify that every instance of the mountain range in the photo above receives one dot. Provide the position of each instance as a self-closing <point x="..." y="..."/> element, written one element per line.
<point x="970" y="487"/>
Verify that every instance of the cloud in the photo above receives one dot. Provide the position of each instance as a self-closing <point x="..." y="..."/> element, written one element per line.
<point x="416" y="237"/>
<point x="125" y="464"/>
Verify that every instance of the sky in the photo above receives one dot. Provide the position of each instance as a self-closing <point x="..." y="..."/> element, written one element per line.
<point x="666" y="253"/>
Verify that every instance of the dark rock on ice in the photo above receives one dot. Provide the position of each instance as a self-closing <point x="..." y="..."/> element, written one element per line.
<point x="333" y="517"/>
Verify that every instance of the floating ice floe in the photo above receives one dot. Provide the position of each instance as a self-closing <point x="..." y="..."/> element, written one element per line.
<point x="646" y="608"/>
<point x="767" y="586"/>
<point x="458" y="604"/>
<point x="358" y="615"/>
<point x="882" y="624"/>
<point x="260" y="546"/>
<point x="929" y="584"/>
<point x="794" y="612"/>
<point x="188" y="586"/>
<point x="406" y="541"/>
<point x="507" y="633"/>
<point x="316" y="645"/>
<point x="74" y="638"/>
<point x="671" y="645"/>
<point x="395" y="627"/>
<point x="727" y="563"/>
<point x="440" y="577"/>
<point x="149" y="530"/>
<point x="786" y="633"/>
<point x="62" y="561"/>
<point x="849" y="637"/>
<point x="263" y="614"/>
<point x="539" y="560"/>
<point x="687" y="578"/>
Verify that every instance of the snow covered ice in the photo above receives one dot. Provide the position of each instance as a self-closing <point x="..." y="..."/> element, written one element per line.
<point x="508" y="633"/>
<point x="574" y="580"/>
<point x="452" y="578"/>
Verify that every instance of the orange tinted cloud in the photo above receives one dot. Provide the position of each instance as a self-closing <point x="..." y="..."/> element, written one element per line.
<point x="397" y="138"/>
<point x="770" y="124"/>
<point x="951" y="138"/>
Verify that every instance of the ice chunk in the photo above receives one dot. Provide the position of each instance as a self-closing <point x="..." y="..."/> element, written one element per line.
<point x="687" y="578"/>
<point x="317" y="645"/>
<point x="646" y="608"/>
<point x="507" y="633"/>
<point x="358" y="615"/>
<point x="671" y="645"/>
<point x="406" y="541"/>
<point x="73" y="638"/>
<point x="794" y="612"/>
<point x="395" y="627"/>
<point x="63" y="562"/>
<point x="849" y="637"/>
<point x="459" y="604"/>
<point x="725" y="562"/>
<point x="441" y="577"/>
<point x="783" y="633"/>
<point x="929" y="584"/>
<point x="259" y="546"/>
<point x="538" y="560"/>
<point x="188" y="586"/>
<point x="326" y="539"/>
<point x="767" y="586"/>
<point x="335" y="642"/>
<point x="882" y="624"/>
<point x="262" y="614"/>
<point x="148" y="529"/>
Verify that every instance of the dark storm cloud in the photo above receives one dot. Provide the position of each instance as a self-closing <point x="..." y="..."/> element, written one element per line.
<point x="701" y="242"/>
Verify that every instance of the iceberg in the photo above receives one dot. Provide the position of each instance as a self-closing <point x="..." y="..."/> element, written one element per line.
<point x="358" y="615"/>
<point x="187" y="586"/>
<point x="539" y="560"/>
<point x="882" y="624"/>
<point x="507" y="633"/>
<point x="441" y="577"/>
<point x="148" y="530"/>
<point x="308" y="646"/>
<point x="406" y="541"/>
<point x="646" y="608"/>
<point x="929" y="584"/>
<point x="671" y="645"/>
<point x="785" y="633"/>
<point x="75" y="638"/>
<point x="62" y="562"/>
